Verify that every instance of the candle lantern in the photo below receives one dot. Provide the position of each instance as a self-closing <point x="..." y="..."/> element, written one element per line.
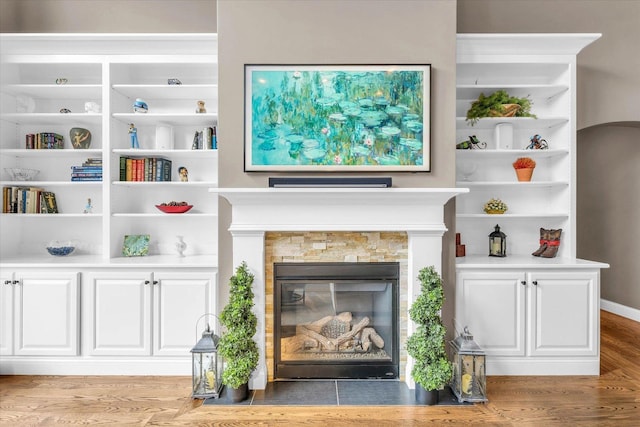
<point x="469" y="381"/>
<point x="498" y="243"/>
<point x="207" y="367"/>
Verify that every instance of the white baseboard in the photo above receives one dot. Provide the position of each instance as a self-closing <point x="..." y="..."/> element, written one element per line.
<point x="620" y="310"/>
<point x="25" y="365"/>
<point x="542" y="366"/>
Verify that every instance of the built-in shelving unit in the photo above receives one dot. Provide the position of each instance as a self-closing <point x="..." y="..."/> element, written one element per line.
<point x="112" y="71"/>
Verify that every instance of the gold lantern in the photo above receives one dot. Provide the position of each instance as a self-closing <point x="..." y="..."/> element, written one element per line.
<point x="207" y="367"/>
<point x="469" y="381"/>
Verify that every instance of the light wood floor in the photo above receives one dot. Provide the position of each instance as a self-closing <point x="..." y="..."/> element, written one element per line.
<point x="611" y="399"/>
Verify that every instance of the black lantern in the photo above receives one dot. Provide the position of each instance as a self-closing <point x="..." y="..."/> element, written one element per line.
<point x="469" y="381"/>
<point x="207" y="367"/>
<point x="498" y="243"/>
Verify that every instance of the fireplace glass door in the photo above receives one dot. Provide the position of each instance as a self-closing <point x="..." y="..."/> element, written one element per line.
<point x="336" y="320"/>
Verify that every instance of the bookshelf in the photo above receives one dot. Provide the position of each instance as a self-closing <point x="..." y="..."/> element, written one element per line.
<point x="112" y="71"/>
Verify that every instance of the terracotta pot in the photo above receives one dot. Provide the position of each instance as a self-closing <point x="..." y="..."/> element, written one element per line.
<point x="524" y="174"/>
<point x="426" y="397"/>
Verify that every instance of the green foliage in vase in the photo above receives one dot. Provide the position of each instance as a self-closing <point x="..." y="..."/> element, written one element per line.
<point x="431" y="369"/>
<point x="493" y="106"/>
<point x="236" y="344"/>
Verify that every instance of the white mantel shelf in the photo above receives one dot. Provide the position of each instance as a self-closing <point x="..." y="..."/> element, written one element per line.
<point x="338" y="209"/>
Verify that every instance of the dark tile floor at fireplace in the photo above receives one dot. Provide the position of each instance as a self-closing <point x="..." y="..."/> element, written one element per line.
<point x="331" y="392"/>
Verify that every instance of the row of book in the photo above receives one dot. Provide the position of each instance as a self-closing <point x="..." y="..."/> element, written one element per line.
<point x="205" y="139"/>
<point x="90" y="170"/>
<point x="44" y="140"/>
<point x="145" y="169"/>
<point x="29" y="200"/>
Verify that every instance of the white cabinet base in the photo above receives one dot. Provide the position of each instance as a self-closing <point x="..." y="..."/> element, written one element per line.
<point x="508" y="365"/>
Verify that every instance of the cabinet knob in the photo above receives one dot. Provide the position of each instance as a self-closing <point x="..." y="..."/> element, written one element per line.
<point x="155" y="282"/>
<point x="523" y="282"/>
<point x="146" y="282"/>
<point x="7" y="282"/>
<point x="16" y="282"/>
<point x="535" y="283"/>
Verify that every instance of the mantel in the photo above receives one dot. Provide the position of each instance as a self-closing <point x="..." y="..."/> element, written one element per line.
<point x="337" y="209"/>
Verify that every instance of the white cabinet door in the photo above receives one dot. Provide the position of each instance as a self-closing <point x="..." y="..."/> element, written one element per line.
<point x="6" y="313"/>
<point x="46" y="314"/>
<point x="179" y="300"/>
<point x="564" y="314"/>
<point x="493" y="305"/>
<point x="119" y="313"/>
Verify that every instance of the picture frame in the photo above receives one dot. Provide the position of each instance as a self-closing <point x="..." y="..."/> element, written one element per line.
<point x="337" y="118"/>
<point x="135" y="245"/>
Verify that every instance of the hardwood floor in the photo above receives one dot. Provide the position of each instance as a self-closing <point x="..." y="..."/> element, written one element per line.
<point x="608" y="400"/>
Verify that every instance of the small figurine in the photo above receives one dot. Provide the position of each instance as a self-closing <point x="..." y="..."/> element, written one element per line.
<point x="91" y="107"/>
<point x="537" y="143"/>
<point x="139" y="106"/>
<point x="65" y="110"/>
<point x="472" y="144"/>
<point x="201" y="108"/>
<point x="133" y="134"/>
<point x="88" y="208"/>
<point x="184" y="174"/>
<point x="61" y="81"/>
<point x="173" y="82"/>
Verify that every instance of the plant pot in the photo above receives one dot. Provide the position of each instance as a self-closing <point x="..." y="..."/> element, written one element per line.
<point x="239" y="394"/>
<point x="426" y="397"/>
<point x="524" y="174"/>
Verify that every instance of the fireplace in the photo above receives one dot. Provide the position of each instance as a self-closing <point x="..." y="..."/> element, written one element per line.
<point x="418" y="212"/>
<point x="336" y="320"/>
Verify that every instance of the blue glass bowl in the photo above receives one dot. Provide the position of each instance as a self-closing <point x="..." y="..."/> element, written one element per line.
<point x="60" y="250"/>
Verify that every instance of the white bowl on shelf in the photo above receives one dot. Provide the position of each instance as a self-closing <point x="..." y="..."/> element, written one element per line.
<point x="21" y="174"/>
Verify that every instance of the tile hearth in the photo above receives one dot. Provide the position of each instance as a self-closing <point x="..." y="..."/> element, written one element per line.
<point x="335" y="393"/>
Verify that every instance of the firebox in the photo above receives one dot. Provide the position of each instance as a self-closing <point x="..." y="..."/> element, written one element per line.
<point x="336" y="320"/>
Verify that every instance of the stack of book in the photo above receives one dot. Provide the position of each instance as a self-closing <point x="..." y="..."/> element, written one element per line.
<point x="91" y="170"/>
<point x="44" y="140"/>
<point x="28" y="200"/>
<point x="206" y="139"/>
<point x="145" y="169"/>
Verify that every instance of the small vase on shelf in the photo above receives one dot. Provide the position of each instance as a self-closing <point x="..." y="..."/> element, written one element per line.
<point x="181" y="246"/>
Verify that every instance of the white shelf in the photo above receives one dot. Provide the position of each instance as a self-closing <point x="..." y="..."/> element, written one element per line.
<point x="523" y="262"/>
<point x="175" y="119"/>
<point x="68" y="119"/>
<point x="488" y="152"/>
<point x="517" y="122"/>
<point x="183" y="91"/>
<point x="54" y="91"/>
<point x="483" y="216"/>
<point x="50" y="183"/>
<point x="164" y="215"/>
<point x="513" y="184"/>
<point x="168" y="153"/>
<point x="21" y="152"/>
<point x="472" y="91"/>
<point x="53" y="215"/>
<point x="165" y="183"/>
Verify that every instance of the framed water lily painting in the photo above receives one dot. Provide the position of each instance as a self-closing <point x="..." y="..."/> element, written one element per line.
<point x="360" y="118"/>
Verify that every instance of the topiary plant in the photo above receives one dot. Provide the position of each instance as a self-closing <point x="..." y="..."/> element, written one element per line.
<point x="431" y="369"/>
<point x="494" y="106"/>
<point x="236" y="344"/>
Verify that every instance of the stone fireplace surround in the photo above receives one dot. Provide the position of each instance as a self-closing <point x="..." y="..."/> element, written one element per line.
<point x="419" y="212"/>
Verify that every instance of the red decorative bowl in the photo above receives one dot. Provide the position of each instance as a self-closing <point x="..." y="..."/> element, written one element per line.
<point x="174" y="209"/>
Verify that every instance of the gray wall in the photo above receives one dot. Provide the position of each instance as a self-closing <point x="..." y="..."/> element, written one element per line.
<point x="608" y="93"/>
<point x="336" y="32"/>
<point x="108" y="16"/>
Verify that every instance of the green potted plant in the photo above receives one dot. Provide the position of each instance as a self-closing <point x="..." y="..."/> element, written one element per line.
<point x="236" y="344"/>
<point x="431" y="370"/>
<point x="499" y="104"/>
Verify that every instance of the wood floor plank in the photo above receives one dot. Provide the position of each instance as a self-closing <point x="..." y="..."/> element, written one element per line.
<point x="612" y="399"/>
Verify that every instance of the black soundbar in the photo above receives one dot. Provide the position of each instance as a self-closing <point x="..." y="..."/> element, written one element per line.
<point x="330" y="182"/>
